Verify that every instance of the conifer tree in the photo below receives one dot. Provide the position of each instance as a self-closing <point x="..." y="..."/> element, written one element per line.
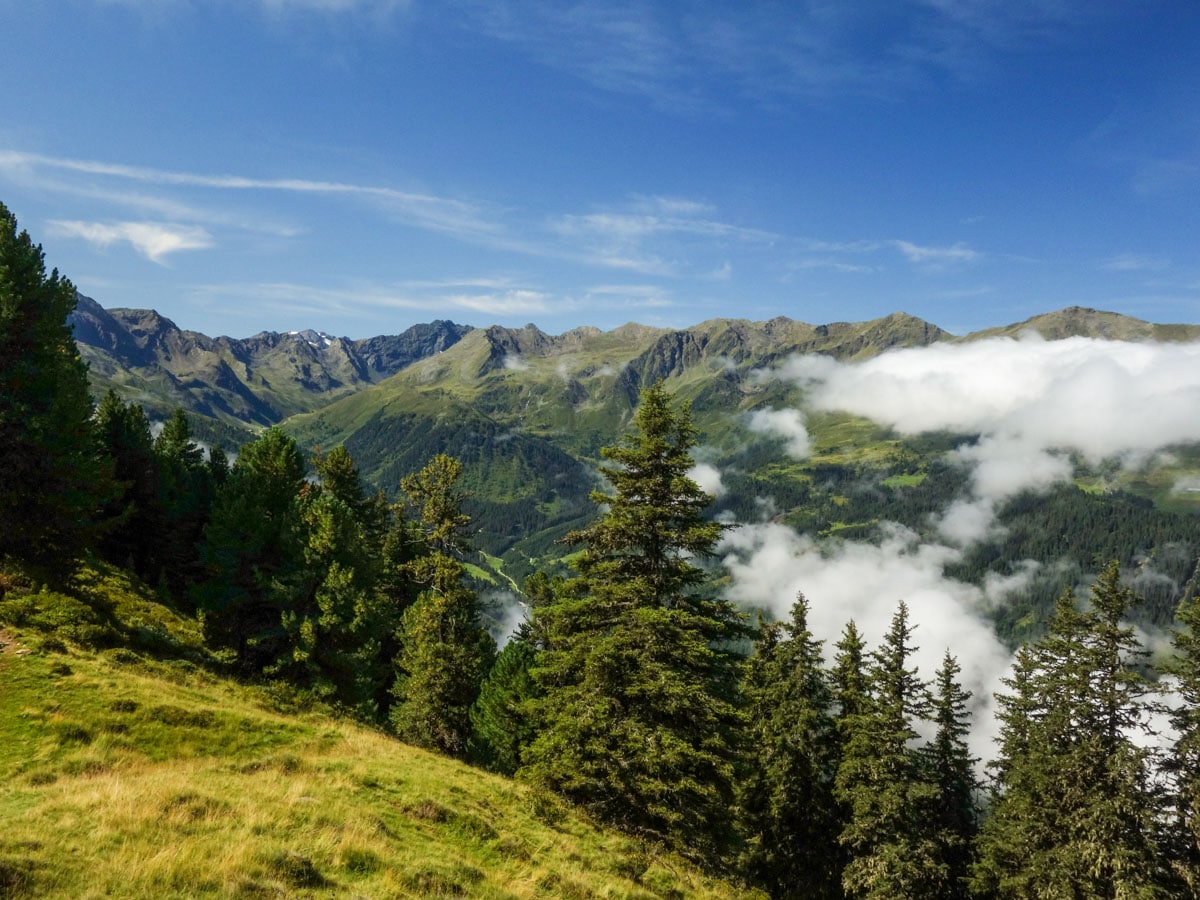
<point x="1185" y="753"/>
<point x="253" y="552"/>
<point x="889" y="798"/>
<point x="52" y="478"/>
<point x="500" y="720"/>
<point x="133" y="520"/>
<point x="336" y="623"/>
<point x="1075" y="814"/>
<point x="787" y="809"/>
<point x="849" y="677"/>
<point x="640" y="720"/>
<point x="444" y="650"/>
<point x="186" y="490"/>
<point x="953" y="770"/>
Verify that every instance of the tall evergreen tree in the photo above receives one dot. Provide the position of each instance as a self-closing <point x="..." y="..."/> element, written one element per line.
<point x="336" y="622"/>
<point x="501" y="725"/>
<point x="788" y="812"/>
<point x="186" y="490"/>
<point x="52" y="478"/>
<point x="849" y="678"/>
<point x="1184" y="763"/>
<point x="253" y="552"/>
<point x="1075" y="813"/>
<point x="444" y="650"/>
<point x="133" y="526"/>
<point x="640" y="720"/>
<point x="953" y="770"/>
<point x="888" y="795"/>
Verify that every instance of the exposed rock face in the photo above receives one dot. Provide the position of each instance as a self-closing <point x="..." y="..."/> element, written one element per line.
<point x="258" y="380"/>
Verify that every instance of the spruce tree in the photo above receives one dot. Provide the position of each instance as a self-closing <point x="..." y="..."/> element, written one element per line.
<point x="444" y="650"/>
<point x="1185" y="753"/>
<point x="889" y="798"/>
<point x="500" y="721"/>
<point x="186" y="490"/>
<point x="788" y="813"/>
<point x="336" y="622"/>
<point x="640" y="720"/>
<point x="132" y="533"/>
<point x="253" y="552"/>
<point x="52" y="478"/>
<point x="1075" y="813"/>
<point x="953" y="771"/>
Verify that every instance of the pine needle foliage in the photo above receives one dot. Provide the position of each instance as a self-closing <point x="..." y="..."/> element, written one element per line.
<point x="52" y="480"/>
<point x="788" y="814"/>
<point x="1075" y="812"/>
<point x="640" y="722"/>
<point x="444" y="650"/>
<point x="889" y="798"/>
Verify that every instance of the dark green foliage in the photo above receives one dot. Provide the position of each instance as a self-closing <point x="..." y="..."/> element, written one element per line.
<point x="788" y="814"/>
<point x="187" y="487"/>
<point x="1075" y="814"/>
<point x="1184" y="762"/>
<point x="953" y="773"/>
<point x="889" y="797"/>
<point x="444" y="651"/>
<point x="134" y="522"/>
<point x="500" y="719"/>
<point x="849" y="677"/>
<point x="336" y="622"/>
<point x="640" y="722"/>
<point x="253" y="552"/>
<point x="52" y="481"/>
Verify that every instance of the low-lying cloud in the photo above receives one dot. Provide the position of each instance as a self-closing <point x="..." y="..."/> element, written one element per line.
<point x="1030" y="404"/>
<point x="1026" y="408"/>
<point x="783" y="423"/>
<point x="770" y="564"/>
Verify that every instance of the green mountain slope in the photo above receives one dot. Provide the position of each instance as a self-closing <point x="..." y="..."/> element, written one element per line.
<point x="129" y="768"/>
<point x="254" y="381"/>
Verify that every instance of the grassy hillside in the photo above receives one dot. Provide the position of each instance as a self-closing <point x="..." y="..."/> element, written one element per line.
<point x="130" y="767"/>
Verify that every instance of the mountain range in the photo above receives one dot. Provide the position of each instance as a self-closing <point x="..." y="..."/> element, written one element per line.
<point x="527" y="413"/>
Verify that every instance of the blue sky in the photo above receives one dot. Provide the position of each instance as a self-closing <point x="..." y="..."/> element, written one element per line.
<point x="358" y="166"/>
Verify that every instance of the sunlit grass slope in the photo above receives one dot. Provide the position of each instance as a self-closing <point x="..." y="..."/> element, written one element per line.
<point x="128" y="768"/>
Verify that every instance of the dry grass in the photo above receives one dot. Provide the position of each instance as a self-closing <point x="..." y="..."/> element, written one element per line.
<point x="126" y="776"/>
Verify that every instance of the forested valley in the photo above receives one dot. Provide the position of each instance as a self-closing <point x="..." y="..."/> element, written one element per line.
<point x="633" y="689"/>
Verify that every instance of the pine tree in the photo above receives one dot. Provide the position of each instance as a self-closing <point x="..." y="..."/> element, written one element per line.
<point x="253" y="552"/>
<point x="787" y="809"/>
<point x="1185" y="753"/>
<point x="186" y="490"/>
<point x="500" y="720"/>
<point x="1075" y="814"/>
<point x="336" y="623"/>
<point x="886" y="791"/>
<point x="953" y="770"/>
<point x="640" y="720"/>
<point x="444" y="650"/>
<point x="52" y="478"/>
<point x="849" y="677"/>
<point x="133" y="518"/>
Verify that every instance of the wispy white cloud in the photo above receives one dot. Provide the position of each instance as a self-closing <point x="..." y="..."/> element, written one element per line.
<point x="761" y="52"/>
<point x="154" y="240"/>
<point x="936" y="256"/>
<point x="459" y="217"/>
<point x="1135" y="262"/>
